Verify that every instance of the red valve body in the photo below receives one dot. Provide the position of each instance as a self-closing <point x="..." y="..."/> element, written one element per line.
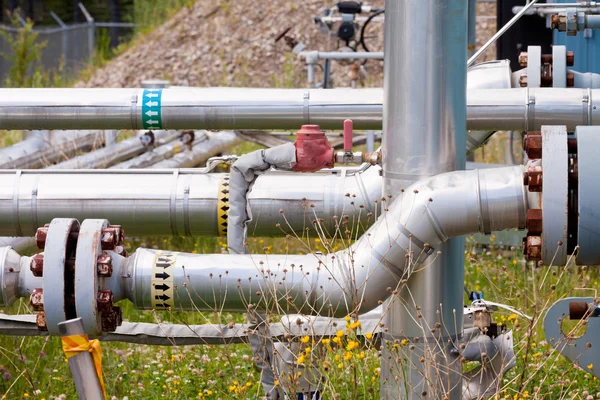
<point x="313" y="150"/>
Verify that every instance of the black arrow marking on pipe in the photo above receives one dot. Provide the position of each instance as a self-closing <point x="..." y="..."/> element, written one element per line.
<point x="225" y="191"/>
<point x="162" y="275"/>
<point x="162" y="305"/>
<point x="162" y="287"/>
<point x="162" y="297"/>
<point x="165" y="266"/>
<point x="225" y="208"/>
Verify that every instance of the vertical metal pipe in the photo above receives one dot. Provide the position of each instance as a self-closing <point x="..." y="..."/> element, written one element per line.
<point x="424" y="121"/>
<point x="82" y="365"/>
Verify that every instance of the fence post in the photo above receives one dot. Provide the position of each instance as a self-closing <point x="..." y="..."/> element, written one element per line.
<point x="91" y="31"/>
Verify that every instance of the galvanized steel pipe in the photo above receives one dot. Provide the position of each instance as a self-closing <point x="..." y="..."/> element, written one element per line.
<point x="351" y="280"/>
<point x="181" y="201"/>
<point x="242" y="108"/>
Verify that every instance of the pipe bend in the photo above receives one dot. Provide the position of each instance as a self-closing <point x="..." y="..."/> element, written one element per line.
<point x="429" y="212"/>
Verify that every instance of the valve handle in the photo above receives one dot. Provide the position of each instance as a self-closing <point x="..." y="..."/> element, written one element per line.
<point x="348" y="126"/>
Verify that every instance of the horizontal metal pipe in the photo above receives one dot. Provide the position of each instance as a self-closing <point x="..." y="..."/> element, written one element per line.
<point x="107" y="156"/>
<point x="48" y="147"/>
<point x="355" y="279"/>
<point x="243" y="108"/>
<point x="181" y="202"/>
<point x="204" y="147"/>
<point x="527" y="109"/>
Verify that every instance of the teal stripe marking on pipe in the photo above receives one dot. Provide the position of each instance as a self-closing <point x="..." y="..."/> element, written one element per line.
<point x="151" y="109"/>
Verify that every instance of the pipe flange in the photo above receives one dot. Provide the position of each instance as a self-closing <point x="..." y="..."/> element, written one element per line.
<point x="588" y="195"/>
<point x="59" y="262"/>
<point x="89" y="249"/>
<point x="559" y="66"/>
<point x="534" y="66"/>
<point x="555" y="195"/>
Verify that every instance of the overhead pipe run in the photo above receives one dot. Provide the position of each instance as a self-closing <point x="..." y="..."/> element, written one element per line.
<point x="355" y="279"/>
<point x="159" y="153"/>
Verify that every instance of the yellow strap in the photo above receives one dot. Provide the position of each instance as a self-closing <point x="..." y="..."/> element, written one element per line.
<point x="73" y="345"/>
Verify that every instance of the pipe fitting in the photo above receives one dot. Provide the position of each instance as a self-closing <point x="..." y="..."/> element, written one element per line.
<point x="313" y="150"/>
<point x="105" y="300"/>
<point x="37" y="299"/>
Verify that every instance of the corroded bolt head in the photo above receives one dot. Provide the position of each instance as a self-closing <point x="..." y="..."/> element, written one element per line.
<point x="570" y="58"/>
<point x="108" y="240"/>
<point x="532" y="144"/>
<point x="37" y="265"/>
<point x="104" y="265"/>
<point x="523" y="59"/>
<point x="104" y="300"/>
<point x="523" y="80"/>
<point x="570" y="79"/>
<point x="40" y="237"/>
<point x="37" y="299"/>
<point x="119" y="233"/>
<point x="534" y="178"/>
<point x="40" y="321"/>
<point x="534" y="221"/>
<point x="534" y="248"/>
<point x="112" y="319"/>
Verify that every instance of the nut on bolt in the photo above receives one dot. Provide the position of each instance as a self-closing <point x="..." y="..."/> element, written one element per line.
<point x="37" y="265"/>
<point x="523" y="80"/>
<point x="523" y="57"/>
<point x="532" y="144"/>
<point x="533" y="178"/>
<point x="37" y="299"/>
<point x="104" y="265"/>
<point x="534" y="222"/>
<point x="112" y="319"/>
<point x="40" y="237"/>
<point x="533" y="248"/>
<point x="570" y="58"/>
<point x="104" y="301"/>
<point x="111" y="237"/>
<point x="40" y="321"/>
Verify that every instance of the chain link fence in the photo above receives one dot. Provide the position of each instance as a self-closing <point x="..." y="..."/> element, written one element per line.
<point x="69" y="48"/>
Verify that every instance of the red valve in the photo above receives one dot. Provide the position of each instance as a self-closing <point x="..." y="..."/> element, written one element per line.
<point x="313" y="150"/>
<point x="348" y="135"/>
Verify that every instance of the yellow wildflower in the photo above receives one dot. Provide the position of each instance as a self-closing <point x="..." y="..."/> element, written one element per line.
<point x="340" y="333"/>
<point x="352" y="345"/>
<point x="305" y="339"/>
<point x="369" y="336"/>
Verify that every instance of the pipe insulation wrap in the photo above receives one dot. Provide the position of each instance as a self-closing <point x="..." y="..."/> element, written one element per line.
<point x="180" y="201"/>
<point x="352" y="280"/>
<point x="243" y="175"/>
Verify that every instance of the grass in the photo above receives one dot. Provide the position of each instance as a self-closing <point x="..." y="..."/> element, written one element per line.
<point x="36" y="368"/>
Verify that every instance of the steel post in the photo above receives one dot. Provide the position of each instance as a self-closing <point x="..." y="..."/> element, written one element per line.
<point x="424" y="121"/>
